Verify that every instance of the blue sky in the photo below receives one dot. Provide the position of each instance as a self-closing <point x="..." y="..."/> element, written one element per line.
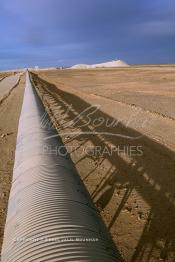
<point x="66" y="32"/>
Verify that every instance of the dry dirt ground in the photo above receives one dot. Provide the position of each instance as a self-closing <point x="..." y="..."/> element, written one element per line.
<point x="4" y="74"/>
<point x="133" y="187"/>
<point x="134" y="192"/>
<point x="9" y="115"/>
<point x="150" y="88"/>
<point x="7" y="84"/>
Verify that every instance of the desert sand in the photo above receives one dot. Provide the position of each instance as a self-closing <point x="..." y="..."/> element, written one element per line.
<point x="7" y="84"/>
<point x="133" y="191"/>
<point x="10" y="109"/>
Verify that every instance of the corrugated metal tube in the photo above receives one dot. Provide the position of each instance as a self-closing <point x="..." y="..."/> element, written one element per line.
<point x="50" y="214"/>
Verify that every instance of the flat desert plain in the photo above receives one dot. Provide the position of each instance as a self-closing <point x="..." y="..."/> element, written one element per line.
<point x="119" y="127"/>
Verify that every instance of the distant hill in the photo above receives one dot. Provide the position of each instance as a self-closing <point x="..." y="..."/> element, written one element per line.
<point x="110" y="64"/>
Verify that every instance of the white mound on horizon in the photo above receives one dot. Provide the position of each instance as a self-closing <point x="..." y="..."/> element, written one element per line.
<point x="110" y="64"/>
<point x="80" y="66"/>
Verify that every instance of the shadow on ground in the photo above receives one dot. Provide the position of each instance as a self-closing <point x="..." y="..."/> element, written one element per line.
<point x="151" y="175"/>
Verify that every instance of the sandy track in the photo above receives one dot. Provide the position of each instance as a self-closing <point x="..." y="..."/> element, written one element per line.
<point x="3" y="75"/>
<point x="2" y="78"/>
<point x="134" y="193"/>
<point x="7" y="84"/>
<point x="9" y="116"/>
